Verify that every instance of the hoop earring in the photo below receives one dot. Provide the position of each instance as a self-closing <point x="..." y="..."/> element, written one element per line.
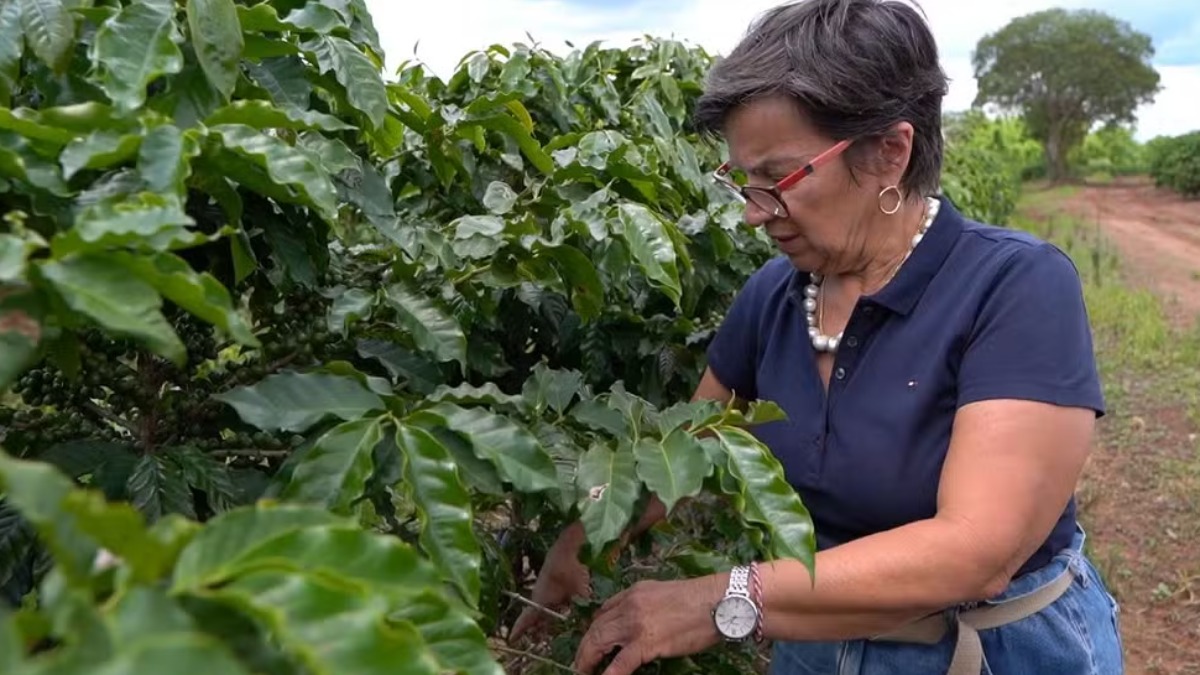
<point x="899" y="199"/>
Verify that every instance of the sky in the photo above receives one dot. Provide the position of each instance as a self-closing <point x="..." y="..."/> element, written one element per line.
<point x="443" y="31"/>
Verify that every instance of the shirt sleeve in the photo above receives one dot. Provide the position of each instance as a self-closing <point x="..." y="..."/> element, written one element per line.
<point x="1032" y="339"/>
<point x="733" y="351"/>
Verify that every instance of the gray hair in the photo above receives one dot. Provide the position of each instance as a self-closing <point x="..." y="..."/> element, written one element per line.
<point x="855" y="68"/>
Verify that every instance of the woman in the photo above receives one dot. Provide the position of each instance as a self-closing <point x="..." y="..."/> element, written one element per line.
<point x="937" y="373"/>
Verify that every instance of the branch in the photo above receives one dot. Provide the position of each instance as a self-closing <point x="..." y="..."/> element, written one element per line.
<point x="111" y="417"/>
<point x="248" y="452"/>
<point x="541" y="608"/>
<point x="535" y="657"/>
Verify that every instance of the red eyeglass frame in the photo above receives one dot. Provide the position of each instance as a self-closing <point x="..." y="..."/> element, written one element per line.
<point x="776" y="191"/>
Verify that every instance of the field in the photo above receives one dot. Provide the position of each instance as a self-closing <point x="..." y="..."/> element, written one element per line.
<point x="1138" y="248"/>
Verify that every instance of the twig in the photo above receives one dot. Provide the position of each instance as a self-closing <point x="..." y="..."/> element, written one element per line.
<point x="541" y="608"/>
<point x="248" y="452"/>
<point x="111" y="417"/>
<point x="535" y="657"/>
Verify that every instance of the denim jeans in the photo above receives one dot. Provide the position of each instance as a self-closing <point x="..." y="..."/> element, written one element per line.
<point x="1078" y="634"/>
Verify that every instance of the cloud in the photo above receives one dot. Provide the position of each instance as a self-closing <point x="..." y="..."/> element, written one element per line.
<point x="449" y="29"/>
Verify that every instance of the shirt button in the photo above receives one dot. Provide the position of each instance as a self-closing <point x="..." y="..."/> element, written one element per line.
<point x="851" y="342"/>
<point x="840" y="373"/>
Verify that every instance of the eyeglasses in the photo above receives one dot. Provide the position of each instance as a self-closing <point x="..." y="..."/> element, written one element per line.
<point x="770" y="199"/>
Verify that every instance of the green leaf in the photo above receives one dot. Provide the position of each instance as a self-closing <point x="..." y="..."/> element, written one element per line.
<point x="651" y="246"/>
<point x="499" y="198"/>
<point x="331" y="627"/>
<point x="12" y="47"/>
<point x="276" y="169"/>
<point x="49" y="30"/>
<point x="121" y="530"/>
<point x="143" y="613"/>
<point x="581" y="277"/>
<point x="285" y="79"/>
<point x="348" y="308"/>
<point x="143" y="221"/>
<point x="261" y="18"/>
<point x="102" y="289"/>
<point x="80" y="458"/>
<point x="609" y="488"/>
<point x="135" y="47"/>
<point x="767" y="499"/>
<point x="263" y="115"/>
<point x="434" y="485"/>
<point x="456" y="640"/>
<point x="364" y="87"/>
<point x="517" y="454"/>
<point x="470" y="226"/>
<point x="165" y="159"/>
<point x="412" y="369"/>
<point x="672" y="468"/>
<point x="433" y="329"/>
<point x="226" y="545"/>
<point x="38" y="491"/>
<point x="14" y="257"/>
<point x="315" y="17"/>
<point x="179" y="654"/>
<point x="18" y="160"/>
<point x="157" y="488"/>
<point x="479" y="474"/>
<point x="198" y="293"/>
<point x="217" y="38"/>
<point x="334" y="472"/>
<point x="513" y="129"/>
<point x="378" y="563"/>
<point x="553" y="388"/>
<point x="98" y="150"/>
<point x="292" y="401"/>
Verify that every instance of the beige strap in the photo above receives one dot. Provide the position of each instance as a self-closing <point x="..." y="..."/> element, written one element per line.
<point x="968" y="652"/>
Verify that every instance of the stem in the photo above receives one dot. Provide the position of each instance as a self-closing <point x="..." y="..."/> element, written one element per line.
<point x="111" y="417"/>
<point x="535" y="657"/>
<point x="541" y="608"/>
<point x="248" y="452"/>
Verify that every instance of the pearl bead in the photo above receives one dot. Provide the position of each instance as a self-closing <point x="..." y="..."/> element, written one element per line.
<point x="824" y="343"/>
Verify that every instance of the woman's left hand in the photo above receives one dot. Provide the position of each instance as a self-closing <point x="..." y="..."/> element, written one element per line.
<point x="652" y="620"/>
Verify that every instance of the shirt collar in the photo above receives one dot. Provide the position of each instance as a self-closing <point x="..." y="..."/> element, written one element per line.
<point x="906" y="288"/>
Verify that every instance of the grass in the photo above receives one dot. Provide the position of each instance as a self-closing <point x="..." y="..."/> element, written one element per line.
<point x="1140" y="497"/>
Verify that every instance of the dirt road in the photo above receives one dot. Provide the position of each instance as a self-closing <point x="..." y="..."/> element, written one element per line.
<point x="1158" y="235"/>
<point x="1140" y="495"/>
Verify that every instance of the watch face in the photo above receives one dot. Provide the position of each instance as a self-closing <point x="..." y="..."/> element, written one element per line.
<point x="736" y="617"/>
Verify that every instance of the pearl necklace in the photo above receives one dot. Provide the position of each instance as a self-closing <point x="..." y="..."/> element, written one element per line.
<point x="812" y="292"/>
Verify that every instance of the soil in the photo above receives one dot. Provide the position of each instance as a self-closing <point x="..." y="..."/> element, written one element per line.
<point x="1139" y="499"/>
<point x="1158" y="235"/>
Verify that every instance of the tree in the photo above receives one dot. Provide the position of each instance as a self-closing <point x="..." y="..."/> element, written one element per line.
<point x="1066" y="71"/>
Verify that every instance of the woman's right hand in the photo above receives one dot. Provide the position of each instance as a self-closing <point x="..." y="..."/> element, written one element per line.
<point x="561" y="578"/>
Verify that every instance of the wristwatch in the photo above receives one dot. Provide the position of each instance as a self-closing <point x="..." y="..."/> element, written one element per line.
<point x="736" y="615"/>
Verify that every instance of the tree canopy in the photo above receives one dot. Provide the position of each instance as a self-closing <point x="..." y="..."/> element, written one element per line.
<point x="1066" y="71"/>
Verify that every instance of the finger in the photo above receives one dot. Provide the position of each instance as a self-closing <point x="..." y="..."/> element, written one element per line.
<point x="627" y="660"/>
<point x="599" y="640"/>
<point x="528" y="621"/>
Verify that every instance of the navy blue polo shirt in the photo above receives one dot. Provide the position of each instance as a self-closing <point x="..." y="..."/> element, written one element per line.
<point x="977" y="312"/>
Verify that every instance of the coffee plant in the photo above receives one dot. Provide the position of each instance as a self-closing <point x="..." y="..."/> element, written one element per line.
<point x="304" y="369"/>
<point x="1174" y="163"/>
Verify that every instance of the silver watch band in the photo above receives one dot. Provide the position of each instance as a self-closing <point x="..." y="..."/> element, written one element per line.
<point x="739" y="581"/>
